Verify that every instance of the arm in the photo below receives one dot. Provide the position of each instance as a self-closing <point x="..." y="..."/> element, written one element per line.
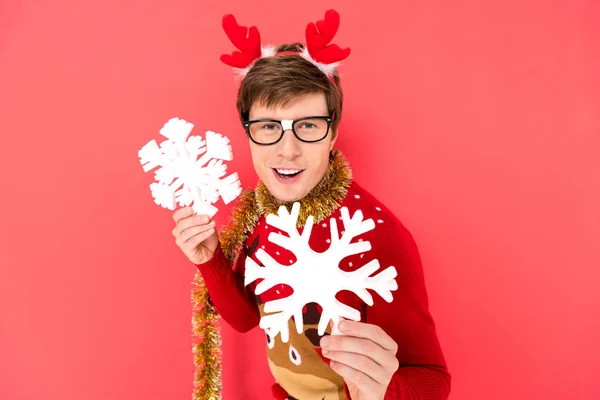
<point x="422" y="374"/>
<point x="419" y="383"/>
<point x="394" y="354"/>
<point x="233" y="301"/>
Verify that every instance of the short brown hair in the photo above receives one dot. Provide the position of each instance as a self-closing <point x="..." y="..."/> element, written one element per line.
<point x="274" y="81"/>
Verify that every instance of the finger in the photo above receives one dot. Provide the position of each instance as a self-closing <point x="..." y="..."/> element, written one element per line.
<point x="363" y="382"/>
<point x="369" y="331"/>
<point x="188" y="222"/>
<point x="193" y="242"/>
<point x="181" y="213"/>
<point x="361" y="363"/>
<point x="360" y="346"/>
<point x="188" y="233"/>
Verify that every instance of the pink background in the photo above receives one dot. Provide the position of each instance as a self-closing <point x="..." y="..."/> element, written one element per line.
<point x="477" y="123"/>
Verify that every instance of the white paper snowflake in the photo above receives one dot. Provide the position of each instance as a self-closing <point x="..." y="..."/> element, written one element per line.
<point x="316" y="277"/>
<point x="201" y="178"/>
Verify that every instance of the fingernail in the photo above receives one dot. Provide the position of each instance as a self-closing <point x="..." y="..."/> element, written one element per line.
<point x="325" y="342"/>
<point x="343" y="326"/>
<point x="325" y="352"/>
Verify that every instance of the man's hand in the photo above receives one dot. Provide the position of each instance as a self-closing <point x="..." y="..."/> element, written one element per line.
<point x="365" y="358"/>
<point x="195" y="235"/>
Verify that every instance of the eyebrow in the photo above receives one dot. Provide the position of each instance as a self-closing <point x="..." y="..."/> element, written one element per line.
<point x="291" y="119"/>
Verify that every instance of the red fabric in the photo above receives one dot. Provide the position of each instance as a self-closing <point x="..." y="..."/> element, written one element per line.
<point x="278" y="392"/>
<point x="318" y="37"/>
<point x="422" y="374"/>
<point x="249" y="46"/>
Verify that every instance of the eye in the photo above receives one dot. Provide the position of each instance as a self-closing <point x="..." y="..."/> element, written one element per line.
<point x="295" y="356"/>
<point x="269" y="126"/>
<point x="307" y="125"/>
<point x="270" y="341"/>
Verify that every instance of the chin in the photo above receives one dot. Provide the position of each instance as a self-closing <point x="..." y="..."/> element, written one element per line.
<point x="286" y="197"/>
<point x="289" y="195"/>
<point x="284" y="193"/>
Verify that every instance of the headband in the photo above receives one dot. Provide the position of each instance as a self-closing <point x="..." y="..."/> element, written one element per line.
<point x="318" y="51"/>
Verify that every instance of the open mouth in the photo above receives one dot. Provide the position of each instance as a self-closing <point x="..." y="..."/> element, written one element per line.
<point x="287" y="173"/>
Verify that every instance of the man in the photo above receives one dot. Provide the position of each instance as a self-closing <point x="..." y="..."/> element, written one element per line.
<point x="291" y="109"/>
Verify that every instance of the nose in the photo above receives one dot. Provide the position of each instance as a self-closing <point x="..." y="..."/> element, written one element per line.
<point x="289" y="146"/>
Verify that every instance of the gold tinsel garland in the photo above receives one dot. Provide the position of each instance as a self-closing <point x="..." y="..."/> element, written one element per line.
<point x="207" y="344"/>
<point x="321" y="202"/>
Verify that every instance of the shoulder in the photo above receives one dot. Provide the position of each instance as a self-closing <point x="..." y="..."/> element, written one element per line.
<point x="359" y="198"/>
<point x="388" y="226"/>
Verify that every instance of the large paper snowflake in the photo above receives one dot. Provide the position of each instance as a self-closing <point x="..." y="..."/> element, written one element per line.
<point x="316" y="277"/>
<point x="201" y="178"/>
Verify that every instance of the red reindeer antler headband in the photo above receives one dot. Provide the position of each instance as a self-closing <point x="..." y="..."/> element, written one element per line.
<point x="318" y="51"/>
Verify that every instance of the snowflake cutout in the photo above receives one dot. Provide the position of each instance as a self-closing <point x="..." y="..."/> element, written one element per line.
<point x="316" y="277"/>
<point x="182" y="177"/>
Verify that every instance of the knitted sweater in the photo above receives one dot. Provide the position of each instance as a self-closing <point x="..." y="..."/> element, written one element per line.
<point x="298" y="366"/>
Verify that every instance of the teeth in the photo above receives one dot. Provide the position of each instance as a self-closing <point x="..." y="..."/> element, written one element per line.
<point x="288" y="171"/>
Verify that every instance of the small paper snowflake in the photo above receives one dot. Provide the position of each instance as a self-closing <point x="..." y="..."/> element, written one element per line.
<point x="179" y="165"/>
<point x="316" y="277"/>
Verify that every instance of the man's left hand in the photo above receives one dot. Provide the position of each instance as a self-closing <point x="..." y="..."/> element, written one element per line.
<point x="365" y="356"/>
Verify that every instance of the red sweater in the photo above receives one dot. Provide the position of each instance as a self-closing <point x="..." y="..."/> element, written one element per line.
<point x="422" y="374"/>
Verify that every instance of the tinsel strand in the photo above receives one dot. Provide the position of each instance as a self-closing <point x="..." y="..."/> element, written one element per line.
<point x="207" y="344"/>
<point x="205" y="326"/>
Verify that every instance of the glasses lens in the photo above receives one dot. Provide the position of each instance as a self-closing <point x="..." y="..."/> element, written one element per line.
<point x="311" y="129"/>
<point x="265" y="132"/>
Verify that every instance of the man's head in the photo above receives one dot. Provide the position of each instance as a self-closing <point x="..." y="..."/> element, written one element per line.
<point x="289" y="87"/>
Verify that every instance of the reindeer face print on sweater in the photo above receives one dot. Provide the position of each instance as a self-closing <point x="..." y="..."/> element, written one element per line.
<point x="299" y="366"/>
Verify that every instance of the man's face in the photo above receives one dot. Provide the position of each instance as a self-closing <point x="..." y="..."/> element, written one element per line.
<point x="290" y="154"/>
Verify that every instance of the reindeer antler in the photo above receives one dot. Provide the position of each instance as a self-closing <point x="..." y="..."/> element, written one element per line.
<point x="317" y="41"/>
<point x="249" y="46"/>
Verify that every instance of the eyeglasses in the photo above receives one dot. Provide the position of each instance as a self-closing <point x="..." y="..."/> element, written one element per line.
<point x="270" y="131"/>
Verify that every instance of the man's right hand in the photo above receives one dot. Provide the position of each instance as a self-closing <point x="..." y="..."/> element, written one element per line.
<point x="195" y="235"/>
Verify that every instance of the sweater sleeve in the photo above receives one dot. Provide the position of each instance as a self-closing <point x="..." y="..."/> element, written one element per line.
<point x="422" y="374"/>
<point x="233" y="301"/>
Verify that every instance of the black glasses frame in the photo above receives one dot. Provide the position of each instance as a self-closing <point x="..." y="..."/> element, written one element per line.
<point x="328" y="119"/>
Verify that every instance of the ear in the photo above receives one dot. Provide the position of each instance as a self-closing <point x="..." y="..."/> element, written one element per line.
<point x="333" y="141"/>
